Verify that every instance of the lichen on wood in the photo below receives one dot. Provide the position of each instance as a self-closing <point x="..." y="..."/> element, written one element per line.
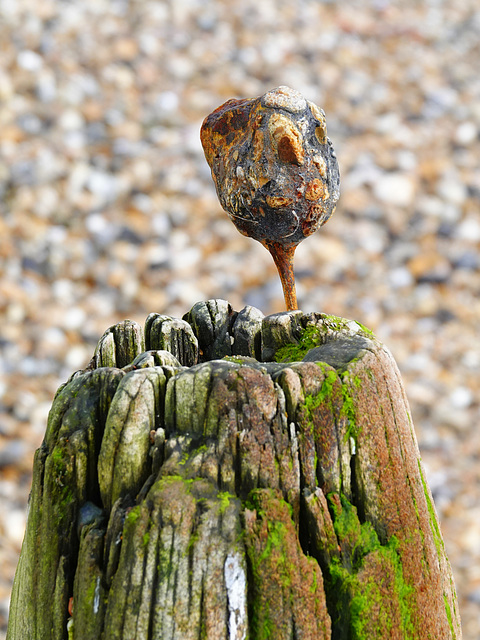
<point x="233" y="497"/>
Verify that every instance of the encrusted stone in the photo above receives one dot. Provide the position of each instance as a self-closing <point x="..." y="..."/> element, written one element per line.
<point x="270" y="159"/>
<point x="275" y="171"/>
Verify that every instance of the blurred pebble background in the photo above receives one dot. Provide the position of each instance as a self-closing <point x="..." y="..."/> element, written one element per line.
<point x="108" y="210"/>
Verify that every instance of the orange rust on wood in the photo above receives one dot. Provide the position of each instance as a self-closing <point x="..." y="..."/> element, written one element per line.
<point x="283" y="257"/>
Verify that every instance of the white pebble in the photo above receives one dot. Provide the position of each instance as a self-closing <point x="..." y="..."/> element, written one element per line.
<point x="46" y="86"/>
<point x="469" y="229"/>
<point x="47" y="202"/>
<point x="71" y="120"/>
<point x="54" y="336"/>
<point x="400" y="277"/>
<point x="161" y="224"/>
<point x="466" y="133"/>
<point x="77" y="357"/>
<point x="96" y="223"/>
<point x="461" y="398"/>
<point x="395" y="188"/>
<point x="56" y="234"/>
<point x="167" y="101"/>
<point x="63" y="289"/>
<point x="452" y="189"/>
<point x="14" y="525"/>
<point x="103" y="185"/>
<point x="74" y="318"/>
<point x="29" y="60"/>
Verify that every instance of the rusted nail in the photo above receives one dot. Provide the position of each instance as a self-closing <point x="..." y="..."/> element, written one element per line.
<point x="275" y="172"/>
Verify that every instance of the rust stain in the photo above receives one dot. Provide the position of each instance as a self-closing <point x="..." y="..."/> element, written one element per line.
<point x="287" y="139"/>
<point x="315" y="190"/>
<point x="278" y="201"/>
<point x="321" y="135"/>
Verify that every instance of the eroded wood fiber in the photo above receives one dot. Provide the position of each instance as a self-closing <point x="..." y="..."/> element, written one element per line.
<point x="234" y="498"/>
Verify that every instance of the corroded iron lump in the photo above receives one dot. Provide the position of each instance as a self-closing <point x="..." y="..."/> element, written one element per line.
<point x="274" y="168"/>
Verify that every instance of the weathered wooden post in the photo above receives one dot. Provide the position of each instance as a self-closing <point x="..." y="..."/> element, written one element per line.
<point x="231" y="476"/>
<point x="228" y="475"/>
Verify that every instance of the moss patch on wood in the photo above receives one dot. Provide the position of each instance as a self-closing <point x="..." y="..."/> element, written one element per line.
<point x="366" y="588"/>
<point x="314" y="335"/>
<point x="311" y="337"/>
<point x="286" y="595"/>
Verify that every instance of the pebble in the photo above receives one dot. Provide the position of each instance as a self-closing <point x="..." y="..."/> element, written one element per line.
<point x="429" y="266"/>
<point x="469" y="230"/>
<point x="11" y="452"/>
<point x="108" y="210"/>
<point x="401" y="277"/>
<point x="29" y="60"/>
<point x="14" y="526"/>
<point x="461" y="398"/>
<point x="466" y="133"/>
<point x="394" y="188"/>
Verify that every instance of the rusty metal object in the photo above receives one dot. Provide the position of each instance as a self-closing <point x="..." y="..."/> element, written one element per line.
<point x="275" y="171"/>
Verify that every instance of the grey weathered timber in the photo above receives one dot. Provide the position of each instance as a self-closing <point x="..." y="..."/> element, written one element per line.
<point x="246" y="477"/>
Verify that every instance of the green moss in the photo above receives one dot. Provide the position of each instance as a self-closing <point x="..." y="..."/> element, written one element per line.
<point x="165" y="566"/>
<point x="146" y="538"/>
<point x="326" y="392"/>
<point x="273" y="556"/>
<point x="438" y="540"/>
<point x="437" y="536"/>
<point x="264" y="627"/>
<point x="310" y="338"/>
<point x="133" y="515"/>
<point x="353" y="583"/>
<point x="192" y="541"/>
<point x="57" y="455"/>
<point x="61" y="471"/>
<point x="283" y="582"/>
<point x="326" y="396"/>
<point x="90" y="592"/>
<point x="262" y="624"/>
<point x="365" y="329"/>
<point x="253" y="502"/>
<point x="224" y="498"/>
<point x="334" y="323"/>
<point x="185" y="458"/>
<point x="201" y="449"/>
<point x="357" y="381"/>
<point x="449" y="616"/>
<point x="314" y="586"/>
<point x="167" y="480"/>
<point x="234" y="359"/>
<point x="313" y="336"/>
<point x="277" y="533"/>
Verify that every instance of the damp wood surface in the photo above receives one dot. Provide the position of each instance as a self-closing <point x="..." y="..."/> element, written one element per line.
<point x="233" y="476"/>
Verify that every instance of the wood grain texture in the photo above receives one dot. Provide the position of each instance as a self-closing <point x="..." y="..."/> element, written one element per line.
<point x="231" y="497"/>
